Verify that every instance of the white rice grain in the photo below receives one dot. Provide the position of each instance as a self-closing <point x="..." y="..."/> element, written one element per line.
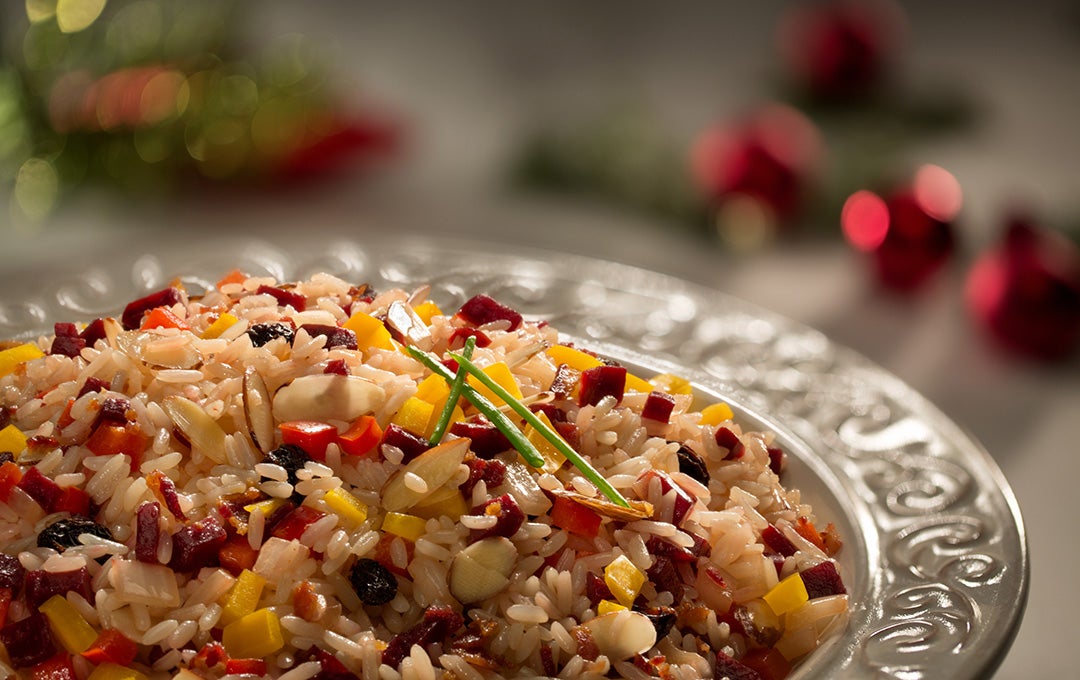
<point x="526" y="613"/>
<point x="304" y="671"/>
<point x="159" y="632"/>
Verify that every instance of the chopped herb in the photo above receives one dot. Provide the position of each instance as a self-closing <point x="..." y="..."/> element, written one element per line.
<point x="452" y="399"/>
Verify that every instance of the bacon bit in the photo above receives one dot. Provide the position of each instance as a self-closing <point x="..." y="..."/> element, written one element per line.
<point x="806" y="529"/>
<point x="587" y="648"/>
<point x="307" y="603"/>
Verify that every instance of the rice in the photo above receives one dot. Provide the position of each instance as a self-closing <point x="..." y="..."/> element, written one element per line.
<point x="150" y="467"/>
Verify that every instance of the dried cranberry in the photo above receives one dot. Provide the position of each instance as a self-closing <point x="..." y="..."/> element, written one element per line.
<point x="777" y="459"/>
<point x="12" y="574"/>
<point x="335" y="336"/>
<point x="692" y="465"/>
<point x="596" y="588"/>
<point x="133" y="313"/>
<point x="28" y="641"/>
<point x="284" y="297"/>
<point x="147" y="532"/>
<point x="460" y="335"/>
<point x="290" y="457"/>
<point x="487" y="440"/>
<point x="64" y="533"/>
<point x="330" y="667"/>
<point x="196" y="545"/>
<point x="439" y="622"/>
<point x="373" y="583"/>
<point x="727" y="438"/>
<point x="481" y="309"/>
<point x="262" y="333"/>
<point x="336" y="367"/>
<point x="93" y="384"/>
<point x="822" y="580"/>
<point x="600" y="382"/>
<point x="93" y="332"/>
<point x="410" y="444"/>
<point x="777" y="542"/>
<point x="67" y="345"/>
<point x="41" y="585"/>
<point x="113" y="410"/>
<point x="665" y="575"/>
<point x="492" y="472"/>
<point x="508" y="517"/>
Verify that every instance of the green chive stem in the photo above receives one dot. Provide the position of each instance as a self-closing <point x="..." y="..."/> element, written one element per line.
<point x="452" y="398"/>
<point x="558" y="442"/>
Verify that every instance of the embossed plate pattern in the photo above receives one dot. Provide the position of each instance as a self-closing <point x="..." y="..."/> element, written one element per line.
<point x="935" y="556"/>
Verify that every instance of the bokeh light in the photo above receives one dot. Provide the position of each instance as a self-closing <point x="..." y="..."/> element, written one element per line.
<point x="865" y="220"/>
<point x="938" y="192"/>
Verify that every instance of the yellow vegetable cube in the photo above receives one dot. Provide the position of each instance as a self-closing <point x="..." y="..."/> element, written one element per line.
<point x="347" y="506"/>
<point x="414" y="415"/>
<point x="112" y="671"/>
<point x="427" y="310"/>
<point x="268" y="507"/>
<point x="607" y="606"/>
<point x="715" y="414"/>
<point x="553" y="458"/>
<point x="432" y="389"/>
<point x="636" y="384"/>
<point x="671" y="383"/>
<point x="501" y="374"/>
<point x="243" y="597"/>
<point x="455" y="417"/>
<point x="68" y="625"/>
<point x="409" y="527"/>
<point x="20" y="354"/>
<point x="624" y="580"/>
<point x="219" y="326"/>
<point x="12" y="440"/>
<point x="255" y="636"/>
<point x="788" y="595"/>
<point x="370" y="332"/>
<point x="574" y="358"/>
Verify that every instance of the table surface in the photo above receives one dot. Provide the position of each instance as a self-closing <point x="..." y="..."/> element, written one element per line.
<point x="471" y="79"/>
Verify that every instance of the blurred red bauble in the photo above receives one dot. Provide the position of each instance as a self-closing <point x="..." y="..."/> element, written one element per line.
<point x="1026" y="291"/>
<point x="840" y="50"/>
<point x="770" y="158"/>
<point x="908" y="234"/>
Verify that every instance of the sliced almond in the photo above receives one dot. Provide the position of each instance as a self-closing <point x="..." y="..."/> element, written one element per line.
<point x="622" y="634"/>
<point x="637" y="510"/>
<point x="200" y="429"/>
<point x="436" y="467"/>
<point x="257" y="413"/>
<point x="327" y="396"/>
<point x="401" y="318"/>
<point x="482" y="569"/>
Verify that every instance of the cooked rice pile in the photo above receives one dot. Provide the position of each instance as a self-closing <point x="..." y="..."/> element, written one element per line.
<point x="164" y="510"/>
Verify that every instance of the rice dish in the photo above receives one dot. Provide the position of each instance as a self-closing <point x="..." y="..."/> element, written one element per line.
<point x="321" y="480"/>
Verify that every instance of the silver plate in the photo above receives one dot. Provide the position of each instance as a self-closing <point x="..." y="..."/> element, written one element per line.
<point x="935" y="555"/>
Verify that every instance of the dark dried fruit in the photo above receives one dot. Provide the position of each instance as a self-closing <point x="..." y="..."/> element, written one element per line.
<point x="438" y="624"/>
<point x="28" y="641"/>
<point x="290" y="457"/>
<point x="692" y="465"/>
<point x="335" y="336"/>
<point x="64" y="533"/>
<point x="373" y="583"/>
<point x="262" y="333"/>
<point x="284" y="297"/>
<point x="12" y="574"/>
<point x="662" y="618"/>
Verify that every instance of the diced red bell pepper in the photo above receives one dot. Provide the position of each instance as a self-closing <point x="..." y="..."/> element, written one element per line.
<point x="246" y="667"/>
<point x="292" y="525"/>
<point x="362" y="436"/>
<point x="10" y="475"/>
<point x="601" y="381"/>
<point x="163" y="317"/>
<point x="42" y="489"/>
<point x="211" y="656"/>
<point x="236" y="554"/>
<point x="310" y="435"/>
<point x="284" y="297"/>
<point x="112" y="646"/>
<point x="57" y="668"/>
<point x="336" y="367"/>
<point x="73" y="500"/>
<point x="133" y="313"/>
<point x="65" y="418"/>
<point x="108" y="439"/>
<point x="575" y="517"/>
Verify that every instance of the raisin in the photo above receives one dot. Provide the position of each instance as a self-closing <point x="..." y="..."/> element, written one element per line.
<point x="262" y="333"/>
<point x="291" y="457"/>
<point x="691" y="465"/>
<point x="662" y="618"/>
<point x="373" y="583"/>
<point x="64" y="533"/>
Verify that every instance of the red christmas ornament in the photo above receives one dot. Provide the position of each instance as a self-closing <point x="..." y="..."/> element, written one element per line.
<point x="1026" y="291"/>
<point x="909" y="233"/>
<point x="840" y="50"/>
<point x="769" y="157"/>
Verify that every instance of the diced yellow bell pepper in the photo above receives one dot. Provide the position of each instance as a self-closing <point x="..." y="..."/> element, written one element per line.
<point x="432" y="388"/>
<point x="255" y="636"/>
<point x="219" y="326"/>
<point x="20" y="354"/>
<point x="268" y="507"/>
<point x="12" y="440"/>
<point x="348" y="507"/>
<point x="574" y="358"/>
<point x="788" y="595"/>
<point x="624" y="580"/>
<point x="409" y="527"/>
<point x="714" y="414"/>
<point x="112" y="671"/>
<point x="553" y="459"/>
<point x="243" y="597"/>
<point x="427" y="310"/>
<point x="501" y="374"/>
<point x="370" y="332"/>
<point x="445" y="501"/>
<point x="607" y="607"/>
<point x="636" y="384"/>
<point x="414" y="415"/>
<point x="68" y="625"/>
<point x="671" y="383"/>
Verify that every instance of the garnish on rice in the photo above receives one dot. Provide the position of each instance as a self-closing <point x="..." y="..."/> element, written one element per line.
<point x="321" y="479"/>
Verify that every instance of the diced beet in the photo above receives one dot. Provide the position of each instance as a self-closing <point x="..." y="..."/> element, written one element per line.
<point x="41" y="585"/>
<point x="57" y="667"/>
<point x="596" y="588"/>
<point x="693" y="465"/>
<point x="600" y="382"/>
<point x="777" y="459"/>
<point x="331" y="668"/>
<point x="113" y="410"/>
<point x="133" y="313"/>
<point x="460" y="335"/>
<point x="665" y="575"/>
<point x="42" y="489"/>
<point x="335" y="336"/>
<point x="508" y="517"/>
<point x="292" y="525"/>
<point x="729" y="440"/>
<point x="564" y="381"/>
<point x="728" y="667"/>
<point x="492" y="472"/>
<point x="410" y="444"/>
<point x="66" y="345"/>
<point x="196" y="545"/>
<point x="659" y="547"/>
<point x="658" y="406"/>
<point x="93" y="332"/>
<point x="487" y="440"/>
<point x="777" y="541"/>
<point x="28" y="641"/>
<point x="93" y="384"/>
<point x="336" y="367"/>
<point x="822" y="580"/>
<point x="481" y="309"/>
<point x="284" y="297"/>
<point x="438" y="623"/>
<point x="147" y="532"/>
<point x="12" y="574"/>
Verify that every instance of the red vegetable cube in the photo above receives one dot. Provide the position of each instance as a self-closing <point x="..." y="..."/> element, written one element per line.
<point x="335" y="335"/>
<point x="133" y="313"/>
<point x="729" y="440"/>
<point x="481" y="309"/>
<point x="362" y="436"/>
<point x="111" y="646"/>
<point x="600" y="382"/>
<point x="284" y="297"/>
<point x="575" y="518"/>
<point x="410" y="444"/>
<point x="822" y="580"/>
<point x="508" y="518"/>
<point x="42" y="489"/>
<point x="292" y="526"/>
<point x="147" y="532"/>
<point x="658" y="406"/>
<point x="310" y="435"/>
<point x="487" y="440"/>
<point x="246" y="667"/>
<point x="196" y="545"/>
<point x="777" y="541"/>
<point x="28" y="641"/>
<point x="41" y="585"/>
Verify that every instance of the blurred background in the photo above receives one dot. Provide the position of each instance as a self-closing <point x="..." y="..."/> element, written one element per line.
<point x="904" y="178"/>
